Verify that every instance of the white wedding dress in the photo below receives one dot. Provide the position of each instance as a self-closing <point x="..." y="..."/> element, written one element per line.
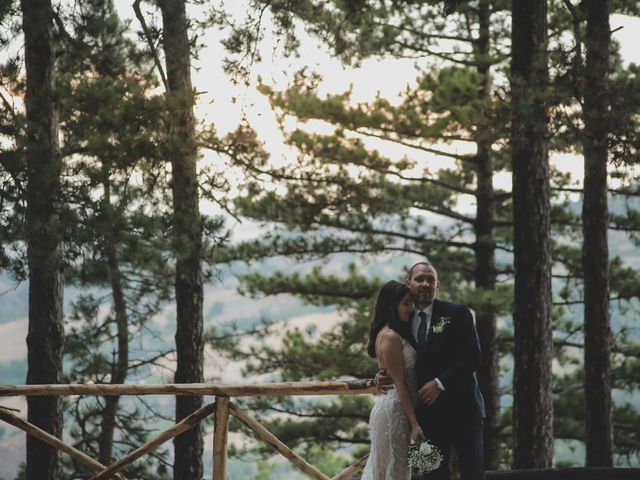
<point x="390" y="429"/>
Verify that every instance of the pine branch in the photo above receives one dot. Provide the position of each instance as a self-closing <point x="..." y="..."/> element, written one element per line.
<point x="8" y="108"/>
<point x="577" y="57"/>
<point x="618" y="228"/>
<point x="614" y="191"/>
<point x="152" y="47"/>
<point x="276" y="174"/>
<point x="13" y="163"/>
<point x="464" y="158"/>
<point x="340" y="439"/>
<point x="442" y="55"/>
<point x="445" y="212"/>
<point x="140" y="363"/>
<point x="312" y="253"/>
<point x="390" y="233"/>
<point x="430" y="180"/>
<point x="629" y="351"/>
<point x="339" y="415"/>
<point x="60" y="24"/>
<point x="425" y="35"/>
<point x="67" y="152"/>
<point x="581" y="302"/>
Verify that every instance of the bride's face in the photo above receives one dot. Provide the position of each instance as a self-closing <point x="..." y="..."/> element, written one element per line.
<point x="405" y="307"/>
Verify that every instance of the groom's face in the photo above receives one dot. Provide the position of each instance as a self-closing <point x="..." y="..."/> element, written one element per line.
<point x="424" y="285"/>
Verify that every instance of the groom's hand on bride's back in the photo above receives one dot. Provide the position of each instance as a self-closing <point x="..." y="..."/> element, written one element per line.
<point x="383" y="381"/>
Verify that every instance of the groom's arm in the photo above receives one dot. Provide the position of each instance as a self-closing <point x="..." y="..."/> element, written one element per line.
<point x="383" y="381"/>
<point x="467" y="346"/>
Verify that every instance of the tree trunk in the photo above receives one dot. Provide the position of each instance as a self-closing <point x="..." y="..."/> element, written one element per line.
<point x="532" y="402"/>
<point x="187" y="234"/>
<point x="44" y="246"/>
<point x="595" y="252"/>
<point x="485" y="276"/>
<point x="119" y="368"/>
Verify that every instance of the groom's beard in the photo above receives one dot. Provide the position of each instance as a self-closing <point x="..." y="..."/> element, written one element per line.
<point x="423" y="299"/>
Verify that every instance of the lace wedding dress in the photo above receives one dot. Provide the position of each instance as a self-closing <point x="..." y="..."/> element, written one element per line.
<point x="390" y="429"/>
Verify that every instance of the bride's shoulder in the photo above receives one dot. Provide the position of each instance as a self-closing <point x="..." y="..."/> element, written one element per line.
<point x="389" y="336"/>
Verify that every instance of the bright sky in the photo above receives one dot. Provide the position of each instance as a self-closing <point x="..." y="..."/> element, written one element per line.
<point x="225" y="104"/>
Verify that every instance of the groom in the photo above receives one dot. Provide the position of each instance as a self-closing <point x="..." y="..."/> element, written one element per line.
<point x="450" y="407"/>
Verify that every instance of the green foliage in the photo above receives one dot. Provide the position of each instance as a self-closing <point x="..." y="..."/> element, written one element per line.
<point x="117" y="238"/>
<point x="265" y="470"/>
<point x="296" y="422"/>
<point x="569" y="408"/>
<point x="133" y="424"/>
<point x="22" y="473"/>
<point x="327" y="460"/>
<point x="343" y="196"/>
<point x="315" y="287"/>
<point x="625" y="280"/>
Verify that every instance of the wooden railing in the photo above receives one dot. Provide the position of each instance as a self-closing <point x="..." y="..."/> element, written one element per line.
<point x="222" y="408"/>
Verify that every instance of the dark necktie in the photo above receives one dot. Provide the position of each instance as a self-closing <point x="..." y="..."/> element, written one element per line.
<point x="422" y="330"/>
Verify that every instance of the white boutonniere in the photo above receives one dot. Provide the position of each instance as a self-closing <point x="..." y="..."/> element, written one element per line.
<point x="441" y="324"/>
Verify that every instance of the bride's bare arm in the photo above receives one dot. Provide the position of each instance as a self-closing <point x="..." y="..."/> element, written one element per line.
<point x="391" y="349"/>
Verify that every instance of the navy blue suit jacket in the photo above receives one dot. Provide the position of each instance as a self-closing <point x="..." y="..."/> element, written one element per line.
<point x="453" y="356"/>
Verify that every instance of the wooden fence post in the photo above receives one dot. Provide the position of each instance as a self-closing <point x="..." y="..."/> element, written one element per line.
<point x="220" y="439"/>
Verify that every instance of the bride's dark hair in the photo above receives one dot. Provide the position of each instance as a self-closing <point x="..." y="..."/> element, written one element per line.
<point x="386" y="313"/>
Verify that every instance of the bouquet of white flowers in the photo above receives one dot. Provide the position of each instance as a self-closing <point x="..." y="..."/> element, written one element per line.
<point x="424" y="458"/>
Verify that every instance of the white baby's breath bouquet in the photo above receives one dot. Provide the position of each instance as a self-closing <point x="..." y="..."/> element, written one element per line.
<point x="424" y="458"/>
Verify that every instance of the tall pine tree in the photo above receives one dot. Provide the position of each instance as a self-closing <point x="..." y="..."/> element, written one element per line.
<point x="532" y="409"/>
<point x="43" y="234"/>
<point x="182" y="152"/>
<point x="595" y="225"/>
<point x="117" y="252"/>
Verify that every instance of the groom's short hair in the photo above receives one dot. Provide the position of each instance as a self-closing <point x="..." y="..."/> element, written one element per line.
<point x="425" y="263"/>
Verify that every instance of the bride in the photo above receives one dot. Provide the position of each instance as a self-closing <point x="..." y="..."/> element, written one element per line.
<point x="393" y="421"/>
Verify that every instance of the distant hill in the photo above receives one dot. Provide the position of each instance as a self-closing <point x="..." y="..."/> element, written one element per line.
<point x="14" y="299"/>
